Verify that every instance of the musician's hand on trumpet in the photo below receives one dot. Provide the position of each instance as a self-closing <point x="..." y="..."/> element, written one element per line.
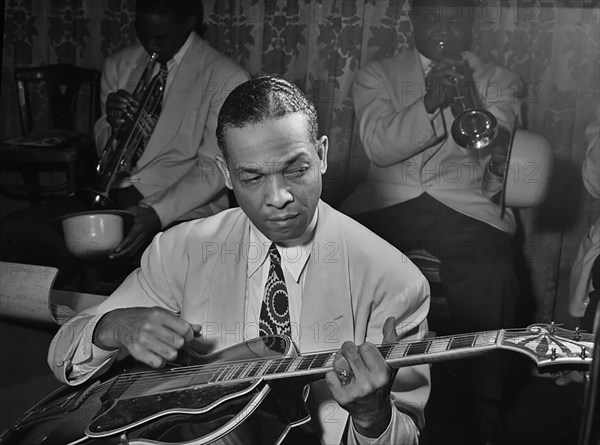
<point x="145" y="225"/>
<point x="120" y="107"/>
<point x="498" y="159"/>
<point x="440" y="82"/>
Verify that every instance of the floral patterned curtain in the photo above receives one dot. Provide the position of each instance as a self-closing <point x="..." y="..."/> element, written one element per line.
<point x="319" y="45"/>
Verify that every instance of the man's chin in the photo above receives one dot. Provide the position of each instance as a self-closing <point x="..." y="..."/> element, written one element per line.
<point x="284" y="236"/>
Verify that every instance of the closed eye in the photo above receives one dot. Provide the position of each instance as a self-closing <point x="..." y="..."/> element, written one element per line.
<point x="296" y="173"/>
<point x="246" y="177"/>
<point x="250" y="179"/>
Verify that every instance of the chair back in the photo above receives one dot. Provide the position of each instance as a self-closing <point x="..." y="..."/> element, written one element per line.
<point x="56" y="94"/>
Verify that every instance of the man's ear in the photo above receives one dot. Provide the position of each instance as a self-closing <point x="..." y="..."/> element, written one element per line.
<point x="322" y="149"/>
<point x="222" y="163"/>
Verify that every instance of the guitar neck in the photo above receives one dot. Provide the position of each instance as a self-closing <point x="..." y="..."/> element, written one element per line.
<point x="441" y="348"/>
<point x="317" y="364"/>
<point x="396" y="355"/>
<point x="545" y="344"/>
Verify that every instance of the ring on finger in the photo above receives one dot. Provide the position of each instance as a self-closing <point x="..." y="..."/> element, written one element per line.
<point x="345" y="376"/>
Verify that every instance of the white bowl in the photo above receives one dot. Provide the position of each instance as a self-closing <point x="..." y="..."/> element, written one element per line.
<point x="94" y="234"/>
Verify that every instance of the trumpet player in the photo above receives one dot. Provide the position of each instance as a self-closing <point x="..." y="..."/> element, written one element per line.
<point x="424" y="190"/>
<point x="173" y="176"/>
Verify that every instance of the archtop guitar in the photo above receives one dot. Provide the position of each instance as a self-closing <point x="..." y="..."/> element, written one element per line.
<point x="231" y="395"/>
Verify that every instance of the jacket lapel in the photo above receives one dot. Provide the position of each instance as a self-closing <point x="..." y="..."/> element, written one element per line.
<point x="179" y="98"/>
<point x="331" y="320"/>
<point x="227" y="305"/>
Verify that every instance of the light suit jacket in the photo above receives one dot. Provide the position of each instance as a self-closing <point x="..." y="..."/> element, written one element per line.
<point x="589" y="249"/>
<point x="354" y="281"/>
<point x="412" y="152"/>
<point x="177" y="173"/>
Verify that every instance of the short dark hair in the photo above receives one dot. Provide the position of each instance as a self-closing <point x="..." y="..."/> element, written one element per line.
<point x="180" y="8"/>
<point x="264" y="98"/>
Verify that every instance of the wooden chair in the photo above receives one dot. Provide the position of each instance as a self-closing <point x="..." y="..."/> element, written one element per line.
<point x="57" y="102"/>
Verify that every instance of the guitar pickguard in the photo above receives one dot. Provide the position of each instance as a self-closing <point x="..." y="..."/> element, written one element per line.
<point x="130" y="413"/>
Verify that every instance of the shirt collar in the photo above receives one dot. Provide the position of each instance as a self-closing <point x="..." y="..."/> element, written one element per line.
<point x="294" y="258"/>
<point x="425" y="62"/>
<point x="176" y="60"/>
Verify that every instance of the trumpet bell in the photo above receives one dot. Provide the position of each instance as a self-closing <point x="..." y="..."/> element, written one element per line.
<point x="94" y="200"/>
<point x="474" y="128"/>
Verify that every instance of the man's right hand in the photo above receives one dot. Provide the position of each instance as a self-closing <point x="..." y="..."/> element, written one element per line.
<point x="440" y="79"/>
<point x="151" y="335"/>
<point x="120" y="107"/>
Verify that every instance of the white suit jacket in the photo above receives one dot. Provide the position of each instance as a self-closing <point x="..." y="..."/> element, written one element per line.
<point x="589" y="249"/>
<point x="354" y="281"/>
<point x="177" y="173"/>
<point x="412" y="153"/>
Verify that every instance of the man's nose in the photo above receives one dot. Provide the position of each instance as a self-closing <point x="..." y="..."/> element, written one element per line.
<point x="278" y="193"/>
<point x="443" y="29"/>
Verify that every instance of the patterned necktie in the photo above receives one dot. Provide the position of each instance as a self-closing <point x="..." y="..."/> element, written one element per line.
<point x="275" y="312"/>
<point x="150" y="112"/>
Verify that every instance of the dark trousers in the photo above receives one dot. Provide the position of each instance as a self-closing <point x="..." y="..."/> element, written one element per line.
<point x="32" y="236"/>
<point x="477" y="274"/>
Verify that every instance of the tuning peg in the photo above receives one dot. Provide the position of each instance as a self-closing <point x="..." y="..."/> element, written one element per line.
<point x="583" y="354"/>
<point x="554" y="355"/>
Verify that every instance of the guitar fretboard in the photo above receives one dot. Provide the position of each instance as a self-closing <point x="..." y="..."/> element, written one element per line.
<point x="396" y="355"/>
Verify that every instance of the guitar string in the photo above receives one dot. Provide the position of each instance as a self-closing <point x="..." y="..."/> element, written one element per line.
<point x="397" y="352"/>
<point x="228" y="369"/>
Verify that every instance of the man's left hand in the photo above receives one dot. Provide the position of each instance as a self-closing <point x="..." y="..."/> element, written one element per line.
<point x="366" y="393"/>
<point x="145" y="225"/>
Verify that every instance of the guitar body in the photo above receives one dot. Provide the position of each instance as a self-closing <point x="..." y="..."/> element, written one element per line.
<point x="148" y="408"/>
<point x="52" y="421"/>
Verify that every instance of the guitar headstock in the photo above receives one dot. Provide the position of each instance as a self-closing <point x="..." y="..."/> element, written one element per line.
<point x="549" y="344"/>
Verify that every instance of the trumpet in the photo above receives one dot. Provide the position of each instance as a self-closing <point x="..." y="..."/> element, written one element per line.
<point x="473" y="127"/>
<point x="95" y="233"/>
<point x="122" y="149"/>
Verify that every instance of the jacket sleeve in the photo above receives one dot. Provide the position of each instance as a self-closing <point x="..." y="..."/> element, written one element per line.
<point x="109" y="83"/>
<point x="391" y="285"/>
<point x="203" y="183"/>
<point x="73" y="357"/>
<point x="590" y="170"/>
<point x="393" y="122"/>
<point x="411" y="387"/>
